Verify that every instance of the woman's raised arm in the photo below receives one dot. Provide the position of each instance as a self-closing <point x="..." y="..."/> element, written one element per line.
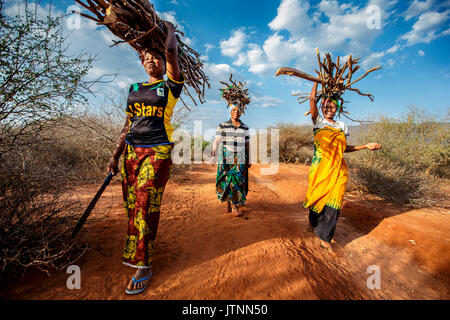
<point x="171" y="52"/>
<point x="312" y="103"/>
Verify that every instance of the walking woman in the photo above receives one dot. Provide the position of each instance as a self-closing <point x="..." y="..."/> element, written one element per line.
<point x="146" y="144"/>
<point x="233" y="141"/>
<point x="329" y="172"/>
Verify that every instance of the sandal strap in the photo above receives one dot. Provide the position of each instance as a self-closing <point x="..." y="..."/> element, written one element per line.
<point x="143" y="279"/>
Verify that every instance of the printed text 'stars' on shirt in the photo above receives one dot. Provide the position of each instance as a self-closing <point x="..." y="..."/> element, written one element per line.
<point x="150" y="106"/>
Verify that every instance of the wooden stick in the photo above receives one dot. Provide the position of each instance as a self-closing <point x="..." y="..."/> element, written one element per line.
<point x="365" y="74"/>
<point x="297" y="73"/>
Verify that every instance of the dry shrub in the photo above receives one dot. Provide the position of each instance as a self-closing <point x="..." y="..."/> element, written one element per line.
<point x="37" y="180"/>
<point x="85" y="145"/>
<point x="295" y="142"/>
<point x="39" y="83"/>
<point x="415" y="155"/>
<point x="37" y="214"/>
<point x="37" y="177"/>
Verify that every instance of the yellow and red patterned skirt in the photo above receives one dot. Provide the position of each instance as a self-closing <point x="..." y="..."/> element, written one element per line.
<point x="145" y="173"/>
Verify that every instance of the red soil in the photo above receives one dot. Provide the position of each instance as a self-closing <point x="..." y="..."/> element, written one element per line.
<point x="203" y="253"/>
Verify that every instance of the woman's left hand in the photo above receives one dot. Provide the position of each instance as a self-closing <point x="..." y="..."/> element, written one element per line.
<point x="373" y="146"/>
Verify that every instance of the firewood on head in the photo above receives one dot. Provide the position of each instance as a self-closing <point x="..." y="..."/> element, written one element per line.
<point x="235" y="94"/>
<point x="135" y="22"/>
<point x="335" y="78"/>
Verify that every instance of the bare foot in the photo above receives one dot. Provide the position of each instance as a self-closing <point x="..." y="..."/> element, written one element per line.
<point x="236" y="211"/>
<point x="326" y="245"/>
<point x="228" y="210"/>
<point x="140" y="274"/>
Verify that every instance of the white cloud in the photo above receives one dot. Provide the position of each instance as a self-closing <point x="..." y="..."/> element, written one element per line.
<point x="170" y="16"/>
<point x="234" y="44"/>
<point x="108" y="36"/>
<point x="421" y="53"/>
<point x="217" y="73"/>
<point x="212" y="101"/>
<point x="15" y="7"/>
<point x="256" y="60"/>
<point x="124" y="83"/>
<point x="297" y="92"/>
<point x="393" y="49"/>
<point x="267" y="101"/>
<point x="292" y="15"/>
<point x="417" y="7"/>
<point x="427" y="28"/>
<point x="280" y="51"/>
<point x="372" y="59"/>
<point x="221" y="71"/>
<point x="208" y="47"/>
<point x="329" y="26"/>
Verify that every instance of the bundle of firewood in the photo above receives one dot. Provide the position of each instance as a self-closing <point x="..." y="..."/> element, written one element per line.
<point x="235" y="94"/>
<point x="334" y="78"/>
<point x="136" y="23"/>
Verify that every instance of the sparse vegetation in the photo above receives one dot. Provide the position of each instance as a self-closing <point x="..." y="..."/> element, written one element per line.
<point x="415" y="156"/>
<point x="40" y="86"/>
<point x="295" y="143"/>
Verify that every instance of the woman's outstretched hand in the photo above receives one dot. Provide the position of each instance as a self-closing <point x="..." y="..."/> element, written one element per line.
<point x="373" y="146"/>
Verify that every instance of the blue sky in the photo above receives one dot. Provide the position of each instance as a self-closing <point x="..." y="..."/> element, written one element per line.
<point x="252" y="39"/>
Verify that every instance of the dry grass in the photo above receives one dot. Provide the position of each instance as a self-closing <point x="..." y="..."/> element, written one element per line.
<point x="411" y="167"/>
<point x="35" y="180"/>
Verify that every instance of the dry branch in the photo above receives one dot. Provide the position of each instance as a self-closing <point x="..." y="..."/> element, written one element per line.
<point x="135" y="22"/>
<point x="332" y="76"/>
<point x="235" y="94"/>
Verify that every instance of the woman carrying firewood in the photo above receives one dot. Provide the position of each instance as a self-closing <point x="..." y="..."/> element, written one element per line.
<point x="328" y="174"/>
<point x="234" y="140"/>
<point x="146" y="144"/>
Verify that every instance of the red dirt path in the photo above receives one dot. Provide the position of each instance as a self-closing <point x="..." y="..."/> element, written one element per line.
<point x="203" y="253"/>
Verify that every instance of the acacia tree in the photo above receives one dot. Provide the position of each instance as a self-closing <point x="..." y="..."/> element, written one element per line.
<point x="292" y="138"/>
<point x="40" y="84"/>
<point x="39" y="81"/>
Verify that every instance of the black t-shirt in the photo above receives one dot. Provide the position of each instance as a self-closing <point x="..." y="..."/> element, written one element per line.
<point x="150" y="106"/>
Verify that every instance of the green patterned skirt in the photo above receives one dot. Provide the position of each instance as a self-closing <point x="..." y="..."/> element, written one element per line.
<point x="232" y="178"/>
